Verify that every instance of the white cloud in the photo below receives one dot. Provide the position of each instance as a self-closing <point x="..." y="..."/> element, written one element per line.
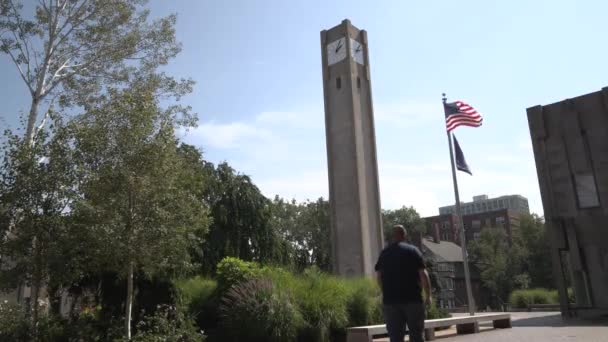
<point x="227" y="136"/>
<point x="284" y="152"/>
<point x="291" y="119"/>
<point x="304" y="185"/>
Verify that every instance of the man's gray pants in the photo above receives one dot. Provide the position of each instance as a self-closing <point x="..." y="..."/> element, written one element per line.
<point x="397" y="316"/>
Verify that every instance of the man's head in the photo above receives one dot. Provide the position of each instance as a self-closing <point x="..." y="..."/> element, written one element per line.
<point x="399" y="233"/>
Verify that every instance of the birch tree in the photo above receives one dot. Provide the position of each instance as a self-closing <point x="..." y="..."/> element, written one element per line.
<point x="139" y="195"/>
<point x="36" y="189"/>
<point x="67" y="51"/>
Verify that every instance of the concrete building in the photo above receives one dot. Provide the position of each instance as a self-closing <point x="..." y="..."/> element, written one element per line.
<point x="354" y="196"/>
<point x="570" y="141"/>
<point x="482" y="203"/>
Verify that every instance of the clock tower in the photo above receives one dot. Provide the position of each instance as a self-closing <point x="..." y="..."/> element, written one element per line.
<point x="354" y="196"/>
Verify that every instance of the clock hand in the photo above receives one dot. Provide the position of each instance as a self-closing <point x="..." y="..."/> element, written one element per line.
<point x="358" y="48"/>
<point x="339" y="47"/>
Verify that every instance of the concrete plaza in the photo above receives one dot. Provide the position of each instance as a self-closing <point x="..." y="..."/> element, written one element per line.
<point x="533" y="327"/>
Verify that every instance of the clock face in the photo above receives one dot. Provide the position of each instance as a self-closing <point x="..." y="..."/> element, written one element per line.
<point x="356" y="51"/>
<point x="336" y="51"/>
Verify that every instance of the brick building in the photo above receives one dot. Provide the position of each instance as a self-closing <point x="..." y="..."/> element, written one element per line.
<point x="447" y="228"/>
<point x="503" y="218"/>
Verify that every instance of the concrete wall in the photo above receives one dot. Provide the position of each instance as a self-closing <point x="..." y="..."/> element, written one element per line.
<point x="570" y="141"/>
<point x="351" y="154"/>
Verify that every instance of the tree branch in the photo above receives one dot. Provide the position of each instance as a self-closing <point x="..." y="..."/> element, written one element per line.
<point x="27" y="83"/>
<point x="43" y="122"/>
<point x="74" y="24"/>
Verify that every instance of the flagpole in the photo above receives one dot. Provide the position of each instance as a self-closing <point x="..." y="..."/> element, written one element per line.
<point x="465" y="258"/>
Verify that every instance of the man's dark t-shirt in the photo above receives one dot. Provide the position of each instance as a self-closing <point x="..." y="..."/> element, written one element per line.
<point x="399" y="264"/>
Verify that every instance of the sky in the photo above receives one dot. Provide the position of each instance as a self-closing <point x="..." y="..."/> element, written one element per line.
<point x="259" y="91"/>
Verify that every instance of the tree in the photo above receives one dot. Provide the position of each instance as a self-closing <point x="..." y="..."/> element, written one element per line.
<point x="306" y="229"/>
<point x="72" y="49"/>
<point x="241" y="219"/>
<point x="499" y="263"/>
<point x="535" y="241"/>
<point x="137" y="189"/>
<point x="317" y="233"/>
<point x="406" y="216"/>
<point x="36" y="189"/>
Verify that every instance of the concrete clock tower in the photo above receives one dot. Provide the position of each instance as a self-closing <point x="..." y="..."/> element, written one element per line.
<point x="354" y="196"/>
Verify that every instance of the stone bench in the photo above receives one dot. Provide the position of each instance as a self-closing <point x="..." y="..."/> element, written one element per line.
<point x="464" y="325"/>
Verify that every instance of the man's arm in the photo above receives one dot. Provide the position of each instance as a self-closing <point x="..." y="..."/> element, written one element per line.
<point x="425" y="281"/>
<point x="378" y="269"/>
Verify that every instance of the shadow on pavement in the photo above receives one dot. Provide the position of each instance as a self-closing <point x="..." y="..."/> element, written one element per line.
<point x="556" y="320"/>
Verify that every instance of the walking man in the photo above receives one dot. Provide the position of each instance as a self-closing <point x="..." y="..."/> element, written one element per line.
<point x="402" y="276"/>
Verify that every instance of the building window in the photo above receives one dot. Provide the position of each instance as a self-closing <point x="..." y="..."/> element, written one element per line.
<point x="500" y="221"/>
<point x="476" y="235"/>
<point x="476" y="224"/>
<point x="586" y="191"/>
<point x="358" y="82"/>
<point x="338" y="82"/>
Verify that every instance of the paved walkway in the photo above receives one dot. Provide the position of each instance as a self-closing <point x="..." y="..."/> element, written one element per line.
<point x="532" y="327"/>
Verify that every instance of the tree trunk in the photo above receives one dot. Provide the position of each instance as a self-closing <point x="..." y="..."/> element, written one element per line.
<point x="37" y="280"/>
<point x="31" y="121"/>
<point x="129" y="302"/>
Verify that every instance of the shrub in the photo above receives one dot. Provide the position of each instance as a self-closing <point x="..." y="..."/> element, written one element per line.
<point x="364" y="303"/>
<point x="14" y="325"/>
<point x="199" y="295"/>
<point x="168" y="324"/>
<point x="195" y="292"/>
<point x="523" y="298"/>
<point x="257" y="311"/>
<point x="435" y="313"/>
<point x="322" y="300"/>
<point x="233" y="271"/>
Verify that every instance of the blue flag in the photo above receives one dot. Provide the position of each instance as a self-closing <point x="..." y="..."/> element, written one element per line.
<point x="461" y="164"/>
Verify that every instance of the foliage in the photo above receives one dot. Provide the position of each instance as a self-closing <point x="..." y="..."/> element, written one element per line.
<point x="14" y="325"/>
<point x="72" y="50"/>
<point x="433" y="312"/>
<point x="498" y="262"/>
<point x="233" y="271"/>
<point x="200" y="296"/>
<point x="406" y="216"/>
<point x="241" y="219"/>
<point x="306" y="229"/>
<point x="257" y="311"/>
<point x="195" y="291"/>
<point x="137" y="191"/>
<point x="168" y="324"/>
<point x="322" y="300"/>
<point x="522" y="281"/>
<point x="364" y="304"/>
<point x="325" y="304"/>
<point x="36" y="190"/>
<point x="523" y="298"/>
<point x="536" y="243"/>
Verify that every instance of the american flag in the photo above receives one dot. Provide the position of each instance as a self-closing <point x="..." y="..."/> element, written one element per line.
<point x="461" y="114"/>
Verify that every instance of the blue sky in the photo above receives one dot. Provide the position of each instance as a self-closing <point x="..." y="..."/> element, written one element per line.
<point x="259" y="93"/>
